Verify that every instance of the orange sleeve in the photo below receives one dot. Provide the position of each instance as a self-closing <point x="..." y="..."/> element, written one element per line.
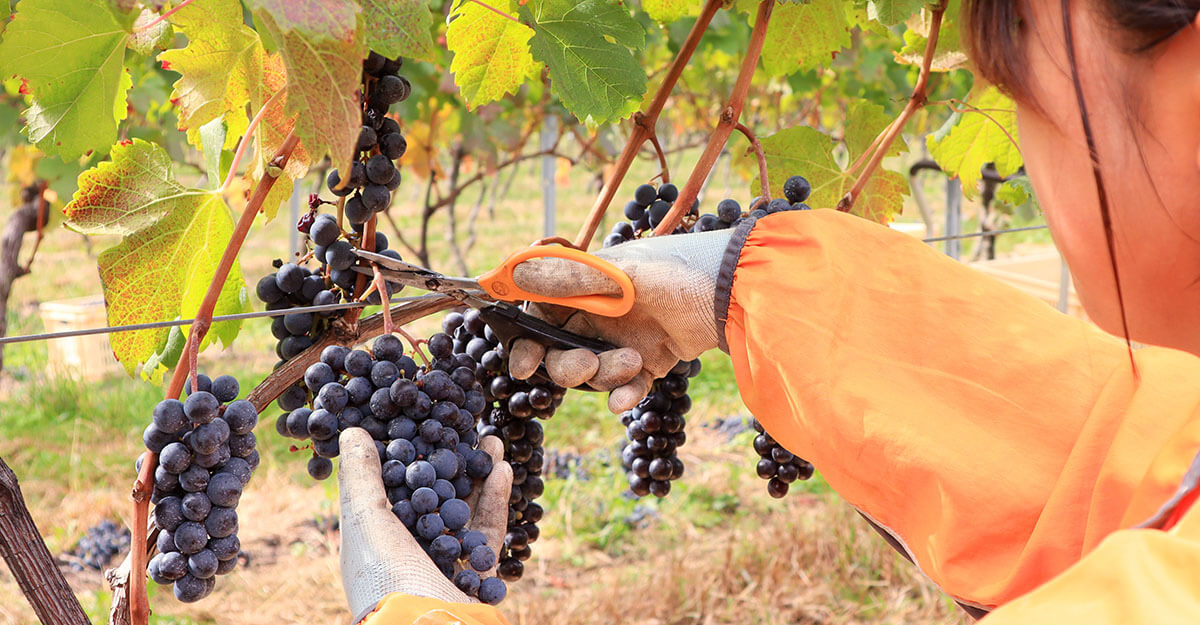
<point x="401" y="609"/>
<point x="998" y="440"/>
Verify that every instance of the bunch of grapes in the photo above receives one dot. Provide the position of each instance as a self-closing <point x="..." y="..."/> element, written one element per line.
<point x="513" y="413"/>
<point x="373" y="175"/>
<point x="98" y="546"/>
<point x="650" y="206"/>
<point x="206" y="455"/>
<point x="654" y="429"/>
<point x="776" y="464"/>
<point x="423" y="422"/>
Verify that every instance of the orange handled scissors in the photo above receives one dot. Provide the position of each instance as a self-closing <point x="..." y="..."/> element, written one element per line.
<point x="498" y="284"/>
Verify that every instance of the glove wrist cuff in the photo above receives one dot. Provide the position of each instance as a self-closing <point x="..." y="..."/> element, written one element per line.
<point x="724" y="284"/>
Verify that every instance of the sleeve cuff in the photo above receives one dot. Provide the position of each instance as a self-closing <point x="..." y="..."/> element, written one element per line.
<point x="729" y="262"/>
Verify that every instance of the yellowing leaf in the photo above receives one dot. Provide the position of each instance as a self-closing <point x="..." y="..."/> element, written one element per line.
<point x="970" y="140"/>
<point x="491" y="53"/>
<point x="173" y="241"/>
<point x="323" y="51"/>
<point x="272" y="130"/>
<point x="802" y="36"/>
<point x="72" y="56"/>
<point x="220" y="67"/>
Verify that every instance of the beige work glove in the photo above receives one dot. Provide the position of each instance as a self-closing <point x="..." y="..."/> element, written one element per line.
<point x="674" y="280"/>
<point x="379" y="555"/>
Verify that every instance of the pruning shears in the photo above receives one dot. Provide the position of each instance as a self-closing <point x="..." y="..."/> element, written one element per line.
<point x="490" y="292"/>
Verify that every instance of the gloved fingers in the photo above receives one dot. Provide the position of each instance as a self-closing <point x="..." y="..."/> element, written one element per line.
<point x="627" y="396"/>
<point x="615" y="368"/>
<point x="557" y="277"/>
<point x="571" y="367"/>
<point x="491" y="513"/>
<point x="524" y="358"/>
<point x="360" y="480"/>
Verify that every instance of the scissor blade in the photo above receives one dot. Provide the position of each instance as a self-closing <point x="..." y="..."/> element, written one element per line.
<point x="409" y="274"/>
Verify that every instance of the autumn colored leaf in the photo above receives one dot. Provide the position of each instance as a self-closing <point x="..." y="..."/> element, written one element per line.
<point x="802" y="36"/>
<point x="491" y="53"/>
<point x="323" y="51"/>
<point x="220" y="67"/>
<point x="172" y="241"/>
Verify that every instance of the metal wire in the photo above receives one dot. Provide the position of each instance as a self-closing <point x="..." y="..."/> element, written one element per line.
<point x="982" y="234"/>
<point x="343" y="306"/>
<point x="183" y="322"/>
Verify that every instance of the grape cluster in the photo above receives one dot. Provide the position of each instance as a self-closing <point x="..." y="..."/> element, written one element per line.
<point x="776" y="464"/>
<point x="650" y="205"/>
<point x="654" y="429"/>
<point x="206" y="455"/>
<point x="98" y="546"/>
<point x="373" y="176"/>
<point x="515" y="408"/>
<point x="423" y="422"/>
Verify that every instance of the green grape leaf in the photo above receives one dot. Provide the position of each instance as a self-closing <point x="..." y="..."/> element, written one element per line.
<point x="212" y="143"/>
<point x="986" y="133"/>
<point x="891" y="12"/>
<point x="491" y="53"/>
<point x="323" y="53"/>
<point x="667" y="11"/>
<point x="587" y="46"/>
<point x="146" y="39"/>
<point x="810" y="153"/>
<point x="864" y="123"/>
<point x="398" y="28"/>
<point x="802" y="36"/>
<point x="72" y="56"/>
<point x="1015" y="192"/>
<point x="173" y="239"/>
<point x="218" y="70"/>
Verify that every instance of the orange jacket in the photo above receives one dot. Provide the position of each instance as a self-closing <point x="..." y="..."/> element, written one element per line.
<point x="1009" y="450"/>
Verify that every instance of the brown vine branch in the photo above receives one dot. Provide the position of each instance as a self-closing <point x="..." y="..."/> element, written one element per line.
<point x="382" y="289"/>
<point x="917" y="100"/>
<point x="139" y="604"/>
<point x="643" y="125"/>
<point x="728" y="121"/>
<point x="30" y="561"/>
<point x="762" y="158"/>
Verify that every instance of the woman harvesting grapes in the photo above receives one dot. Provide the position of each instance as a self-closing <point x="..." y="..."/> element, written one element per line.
<point x="1030" y="464"/>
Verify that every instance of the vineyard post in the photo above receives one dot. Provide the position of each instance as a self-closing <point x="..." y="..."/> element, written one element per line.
<point x="725" y="127"/>
<point x="644" y="123"/>
<point x="143" y="486"/>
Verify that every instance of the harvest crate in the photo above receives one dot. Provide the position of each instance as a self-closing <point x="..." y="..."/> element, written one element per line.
<point x="86" y="357"/>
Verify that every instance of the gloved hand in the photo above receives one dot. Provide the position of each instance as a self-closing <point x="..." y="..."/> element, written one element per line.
<point x="672" y="319"/>
<point x="379" y="555"/>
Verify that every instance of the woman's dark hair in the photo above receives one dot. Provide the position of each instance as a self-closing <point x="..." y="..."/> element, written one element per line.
<point x="992" y="29"/>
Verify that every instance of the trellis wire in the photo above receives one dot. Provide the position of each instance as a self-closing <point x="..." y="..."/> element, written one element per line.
<point x="343" y="306"/>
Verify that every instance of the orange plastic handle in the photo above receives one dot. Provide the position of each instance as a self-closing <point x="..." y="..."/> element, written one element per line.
<point x="499" y="282"/>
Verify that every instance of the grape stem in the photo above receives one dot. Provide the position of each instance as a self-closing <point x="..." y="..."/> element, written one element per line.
<point x="762" y="159"/>
<point x="143" y="486"/>
<point x="367" y="242"/>
<point x="237" y="157"/>
<point x="664" y="173"/>
<point x="726" y="125"/>
<point x="916" y="101"/>
<point x="644" y="123"/>
<point x="381" y="288"/>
